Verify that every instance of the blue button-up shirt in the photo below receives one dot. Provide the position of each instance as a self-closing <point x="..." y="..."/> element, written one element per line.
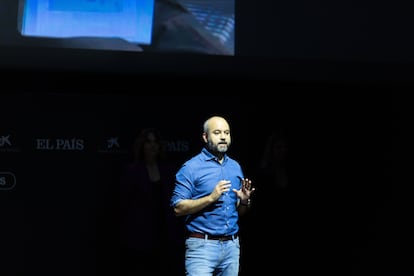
<point x="198" y="178"/>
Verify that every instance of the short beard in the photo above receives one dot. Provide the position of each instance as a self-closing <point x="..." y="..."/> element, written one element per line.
<point x="219" y="148"/>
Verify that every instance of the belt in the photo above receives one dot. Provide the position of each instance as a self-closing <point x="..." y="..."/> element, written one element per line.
<point x="212" y="237"/>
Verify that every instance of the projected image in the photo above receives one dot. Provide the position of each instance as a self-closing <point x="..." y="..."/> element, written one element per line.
<point x="193" y="26"/>
<point x="128" y="19"/>
<point x="87" y="5"/>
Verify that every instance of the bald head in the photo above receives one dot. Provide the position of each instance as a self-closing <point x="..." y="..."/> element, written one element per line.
<point x="216" y="135"/>
<point x="213" y="122"/>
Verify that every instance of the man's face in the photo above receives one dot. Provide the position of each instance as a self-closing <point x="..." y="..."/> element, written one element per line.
<point x="218" y="137"/>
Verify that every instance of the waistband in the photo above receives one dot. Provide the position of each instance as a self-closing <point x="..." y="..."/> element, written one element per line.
<point x="212" y="237"/>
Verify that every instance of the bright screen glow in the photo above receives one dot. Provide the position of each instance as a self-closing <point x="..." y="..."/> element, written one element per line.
<point x="171" y="26"/>
<point x="127" y="19"/>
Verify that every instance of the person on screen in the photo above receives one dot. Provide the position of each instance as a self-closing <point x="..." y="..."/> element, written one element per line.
<point x="149" y="230"/>
<point x="211" y="192"/>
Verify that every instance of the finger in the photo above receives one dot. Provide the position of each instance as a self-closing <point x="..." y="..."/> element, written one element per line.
<point x="247" y="183"/>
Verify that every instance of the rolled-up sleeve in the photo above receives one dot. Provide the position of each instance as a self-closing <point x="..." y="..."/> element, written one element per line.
<point x="183" y="186"/>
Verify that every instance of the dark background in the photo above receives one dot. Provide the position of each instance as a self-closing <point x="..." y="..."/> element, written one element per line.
<point x="332" y="75"/>
<point x="341" y="213"/>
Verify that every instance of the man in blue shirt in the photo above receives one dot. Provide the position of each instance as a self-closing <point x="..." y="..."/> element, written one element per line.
<point x="211" y="191"/>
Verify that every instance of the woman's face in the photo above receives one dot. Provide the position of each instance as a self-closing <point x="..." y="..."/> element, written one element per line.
<point x="151" y="145"/>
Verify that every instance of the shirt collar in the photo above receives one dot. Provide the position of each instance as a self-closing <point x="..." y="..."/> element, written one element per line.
<point x="209" y="156"/>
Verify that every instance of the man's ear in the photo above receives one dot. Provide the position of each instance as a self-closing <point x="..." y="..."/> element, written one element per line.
<point x="205" y="137"/>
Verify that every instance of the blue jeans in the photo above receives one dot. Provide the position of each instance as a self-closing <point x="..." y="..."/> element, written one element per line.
<point x="205" y="257"/>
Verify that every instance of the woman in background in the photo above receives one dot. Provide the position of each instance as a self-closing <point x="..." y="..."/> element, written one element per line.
<point x="150" y="238"/>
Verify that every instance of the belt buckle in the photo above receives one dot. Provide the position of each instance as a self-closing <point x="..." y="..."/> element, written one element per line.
<point x="226" y="238"/>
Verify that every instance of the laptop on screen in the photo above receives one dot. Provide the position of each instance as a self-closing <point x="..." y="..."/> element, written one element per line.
<point x="129" y="20"/>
